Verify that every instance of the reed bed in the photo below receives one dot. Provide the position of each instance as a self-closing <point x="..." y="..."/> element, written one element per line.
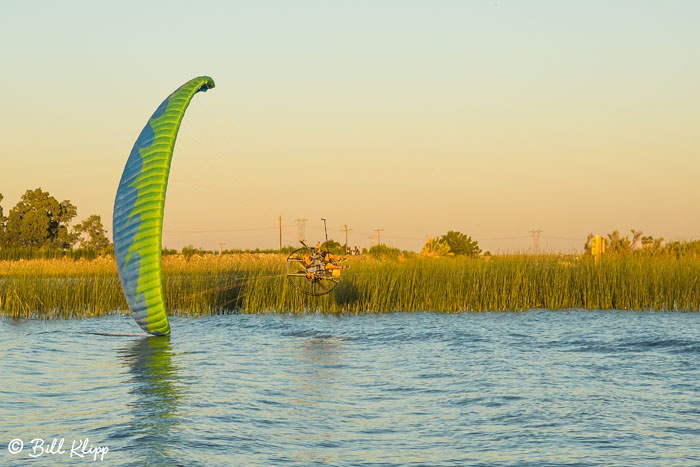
<point x="255" y="283"/>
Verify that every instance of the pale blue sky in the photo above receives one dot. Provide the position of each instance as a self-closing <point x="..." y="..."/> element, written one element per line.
<point x="492" y="118"/>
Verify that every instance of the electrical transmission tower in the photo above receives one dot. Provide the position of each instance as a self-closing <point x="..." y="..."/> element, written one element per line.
<point x="379" y="236"/>
<point x="536" y="234"/>
<point x="379" y="239"/>
<point x="301" y="229"/>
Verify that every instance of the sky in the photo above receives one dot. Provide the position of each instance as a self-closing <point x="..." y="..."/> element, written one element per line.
<point x="493" y="118"/>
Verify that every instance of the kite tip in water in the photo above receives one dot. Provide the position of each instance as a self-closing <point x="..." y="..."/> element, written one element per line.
<point x="116" y="334"/>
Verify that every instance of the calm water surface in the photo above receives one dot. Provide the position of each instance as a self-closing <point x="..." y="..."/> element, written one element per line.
<point x="530" y="388"/>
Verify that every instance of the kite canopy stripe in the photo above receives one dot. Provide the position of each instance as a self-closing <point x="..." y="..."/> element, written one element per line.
<point x="138" y="209"/>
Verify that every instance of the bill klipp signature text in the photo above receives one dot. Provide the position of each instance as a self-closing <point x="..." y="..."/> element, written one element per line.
<point x="37" y="447"/>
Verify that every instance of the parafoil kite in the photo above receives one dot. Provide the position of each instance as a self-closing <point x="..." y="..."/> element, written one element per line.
<point x="138" y="209"/>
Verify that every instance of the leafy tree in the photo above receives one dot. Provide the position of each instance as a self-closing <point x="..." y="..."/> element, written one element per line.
<point x="461" y="244"/>
<point x="589" y="244"/>
<point x="617" y="243"/>
<point x="636" y="236"/>
<point x="652" y="245"/>
<point x="92" y="234"/>
<point x="683" y="249"/>
<point x="39" y="220"/>
<point x="435" y="247"/>
<point x="384" y="251"/>
<point x="168" y="251"/>
<point x="333" y="247"/>
<point x="189" y="251"/>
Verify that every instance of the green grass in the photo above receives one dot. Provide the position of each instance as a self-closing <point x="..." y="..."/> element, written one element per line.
<point x="256" y="283"/>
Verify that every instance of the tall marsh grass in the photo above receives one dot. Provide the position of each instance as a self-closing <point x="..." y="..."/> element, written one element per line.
<point x="255" y="283"/>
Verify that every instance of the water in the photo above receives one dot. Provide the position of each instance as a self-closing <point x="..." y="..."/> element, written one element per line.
<point x="530" y="388"/>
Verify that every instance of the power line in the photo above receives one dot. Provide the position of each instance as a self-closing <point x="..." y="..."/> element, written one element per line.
<point x="399" y="237"/>
<point x="503" y="238"/>
<point x="290" y="227"/>
<point x="300" y="225"/>
<point x="564" y="238"/>
<point x="249" y="229"/>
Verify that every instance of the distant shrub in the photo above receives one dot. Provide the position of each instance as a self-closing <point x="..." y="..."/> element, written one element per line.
<point x="435" y="247"/>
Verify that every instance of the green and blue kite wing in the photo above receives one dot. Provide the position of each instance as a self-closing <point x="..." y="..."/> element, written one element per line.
<point x="138" y="209"/>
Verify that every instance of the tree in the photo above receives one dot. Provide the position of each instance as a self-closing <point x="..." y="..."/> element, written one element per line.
<point x="92" y="234"/>
<point x="39" y="220"/>
<point x="385" y="251"/>
<point x="589" y="244"/>
<point x="652" y="245"/>
<point x="617" y="243"/>
<point x="461" y="244"/>
<point x="333" y="247"/>
<point x="636" y="236"/>
<point x="435" y="247"/>
<point x="189" y="251"/>
<point x="683" y="249"/>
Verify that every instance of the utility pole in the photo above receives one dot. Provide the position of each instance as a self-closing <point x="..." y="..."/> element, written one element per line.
<point x="536" y="241"/>
<point x="221" y="248"/>
<point x="346" y="234"/>
<point x="379" y="239"/>
<point x="280" y="233"/>
<point x="379" y="236"/>
<point x="301" y="229"/>
<point x="325" y="229"/>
